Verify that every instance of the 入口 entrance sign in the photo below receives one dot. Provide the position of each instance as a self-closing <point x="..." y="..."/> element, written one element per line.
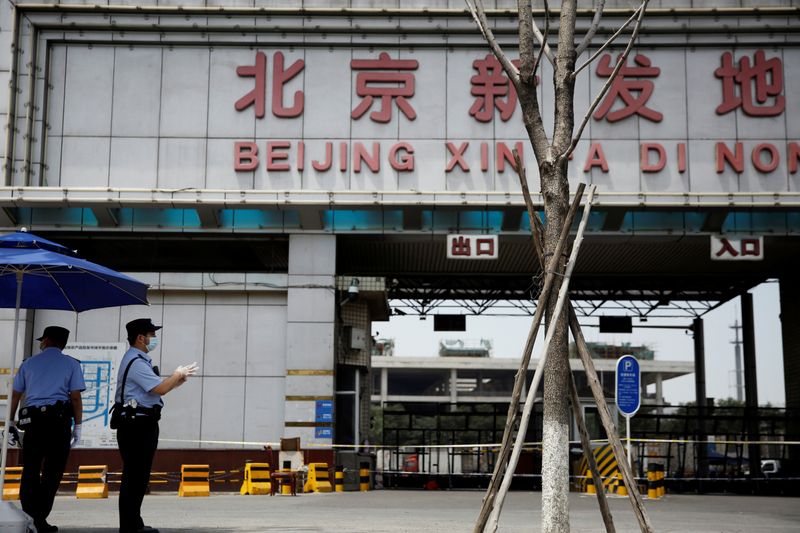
<point x="472" y="247"/>
<point x="737" y="248"/>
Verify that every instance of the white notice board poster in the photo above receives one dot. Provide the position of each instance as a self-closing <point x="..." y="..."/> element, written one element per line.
<point x="99" y="361"/>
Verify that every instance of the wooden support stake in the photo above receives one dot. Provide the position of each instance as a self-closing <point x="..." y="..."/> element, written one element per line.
<point x="594" y="382"/>
<point x="513" y="408"/>
<point x="608" y="423"/>
<point x="526" y="412"/>
<point x="602" y="501"/>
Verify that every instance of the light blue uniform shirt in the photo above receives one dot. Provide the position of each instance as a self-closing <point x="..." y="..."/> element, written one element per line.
<point x="49" y="377"/>
<point x="141" y="380"/>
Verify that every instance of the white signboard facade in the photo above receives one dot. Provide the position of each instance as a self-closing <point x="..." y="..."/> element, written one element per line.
<point x="277" y="117"/>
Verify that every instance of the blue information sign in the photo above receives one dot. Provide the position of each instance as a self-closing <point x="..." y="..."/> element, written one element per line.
<point x="323" y="433"/>
<point x="628" y="385"/>
<point x="324" y="411"/>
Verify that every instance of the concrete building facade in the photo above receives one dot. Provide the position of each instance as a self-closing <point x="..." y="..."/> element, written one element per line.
<point x="250" y="160"/>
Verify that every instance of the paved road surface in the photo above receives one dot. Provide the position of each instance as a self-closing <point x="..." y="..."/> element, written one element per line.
<point x="394" y="511"/>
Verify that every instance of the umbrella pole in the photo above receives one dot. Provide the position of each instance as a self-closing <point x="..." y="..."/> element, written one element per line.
<point x="10" y="383"/>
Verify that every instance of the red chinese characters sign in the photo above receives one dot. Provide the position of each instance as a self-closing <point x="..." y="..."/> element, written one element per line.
<point x="386" y="86"/>
<point x="756" y="87"/>
<point x="492" y="90"/>
<point x="737" y="248"/>
<point x="385" y="83"/>
<point x="380" y="81"/>
<point x="472" y="247"/>
<point x="631" y="86"/>
<point x="280" y="76"/>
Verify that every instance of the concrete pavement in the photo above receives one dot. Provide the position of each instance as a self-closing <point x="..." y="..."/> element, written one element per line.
<point x="395" y="511"/>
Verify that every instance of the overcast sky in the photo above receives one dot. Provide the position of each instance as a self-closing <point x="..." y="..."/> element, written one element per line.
<point x="415" y="338"/>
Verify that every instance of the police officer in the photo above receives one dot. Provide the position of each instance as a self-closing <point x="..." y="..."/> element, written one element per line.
<point x="52" y="383"/>
<point x="140" y="404"/>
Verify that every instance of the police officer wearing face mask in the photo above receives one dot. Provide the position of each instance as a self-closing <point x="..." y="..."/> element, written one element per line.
<point x="52" y="383"/>
<point x="140" y="405"/>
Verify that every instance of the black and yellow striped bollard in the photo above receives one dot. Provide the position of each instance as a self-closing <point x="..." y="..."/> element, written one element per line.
<point x="652" y="487"/>
<point x="590" y="488"/>
<point x="339" y="479"/>
<point x="11" y="483"/>
<point x="622" y="490"/>
<point x="363" y="477"/>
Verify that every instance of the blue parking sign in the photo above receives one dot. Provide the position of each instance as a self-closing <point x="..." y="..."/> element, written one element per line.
<point x="629" y="380"/>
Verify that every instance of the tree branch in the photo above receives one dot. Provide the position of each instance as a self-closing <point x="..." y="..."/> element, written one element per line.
<point x="544" y="39"/>
<point x="563" y="80"/>
<point x="539" y="37"/>
<point x="479" y="15"/>
<point x="587" y="39"/>
<point x="622" y="60"/>
<point x="609" y="41"/>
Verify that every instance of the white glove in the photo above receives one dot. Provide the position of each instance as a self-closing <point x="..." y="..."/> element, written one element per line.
<point x="187" y="370"/>
<point x="76" y="435"/>
<point x="13" y="436"/>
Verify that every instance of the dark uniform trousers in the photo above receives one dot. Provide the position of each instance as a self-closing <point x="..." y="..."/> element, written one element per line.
<point x="137" y="439"/>
<point x="45" y="450"/>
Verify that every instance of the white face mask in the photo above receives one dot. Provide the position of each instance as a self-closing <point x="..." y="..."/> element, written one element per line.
<point x="152" y="344"/>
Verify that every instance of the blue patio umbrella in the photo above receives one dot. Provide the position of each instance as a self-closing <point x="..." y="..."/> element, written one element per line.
<point x="39" y="274"/>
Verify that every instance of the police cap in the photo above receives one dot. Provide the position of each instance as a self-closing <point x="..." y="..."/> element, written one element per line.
<point x="140" y="326"/>
<point x="56" y="334"/>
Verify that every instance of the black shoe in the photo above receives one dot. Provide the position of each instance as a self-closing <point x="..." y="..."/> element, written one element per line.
<point x="147" y="529"/>
<point x="44" y="527"/>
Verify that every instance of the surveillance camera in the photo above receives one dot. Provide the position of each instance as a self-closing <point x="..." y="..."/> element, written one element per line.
<point x="352" y="290"/>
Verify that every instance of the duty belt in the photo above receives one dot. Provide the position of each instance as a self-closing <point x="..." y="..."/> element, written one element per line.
<point x="31" y="413"/>
<point x="130" y="412"/>
<point x="149" y="411"/>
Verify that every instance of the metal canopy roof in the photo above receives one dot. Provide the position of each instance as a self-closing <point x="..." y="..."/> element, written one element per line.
<point x="635" y="275"/>
<point x="631" y="275"/>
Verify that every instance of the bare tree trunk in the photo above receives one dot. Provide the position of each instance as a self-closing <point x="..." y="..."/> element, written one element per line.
<point x="555" y="421"/>
<point x="552" y="158"/>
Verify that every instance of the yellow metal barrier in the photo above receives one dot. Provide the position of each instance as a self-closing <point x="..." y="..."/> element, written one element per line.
<point x="92" y="482"/>
<point x="11" y="482"/>
<point x="606" y="466"/>
<point x="318" y="480"/>
<point x="256" y="479"/>
<point x="194" y="481"/>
